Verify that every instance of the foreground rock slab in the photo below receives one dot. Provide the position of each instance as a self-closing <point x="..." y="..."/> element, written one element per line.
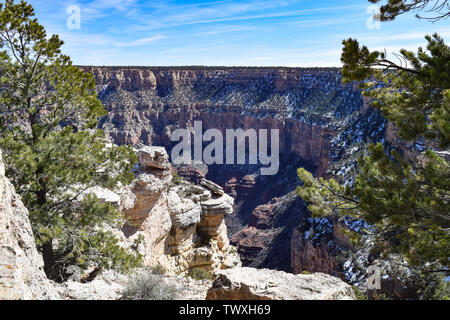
<point x="264" y="284"/>
<point x="21" y="266"/>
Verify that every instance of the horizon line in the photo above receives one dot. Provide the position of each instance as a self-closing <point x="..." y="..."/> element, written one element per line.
<point x="201" y="66"/>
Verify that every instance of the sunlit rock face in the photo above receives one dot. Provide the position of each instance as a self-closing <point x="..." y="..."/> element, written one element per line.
<point x="177" y="225"/>
<point x="22" y="274"/>
<point x="264" y="284"/>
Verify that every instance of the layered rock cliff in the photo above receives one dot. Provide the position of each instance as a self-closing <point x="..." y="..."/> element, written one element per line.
<point x="146" y="104"/>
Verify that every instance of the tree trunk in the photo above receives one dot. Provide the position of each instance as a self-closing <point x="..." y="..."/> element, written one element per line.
<point x="49" y="259"/>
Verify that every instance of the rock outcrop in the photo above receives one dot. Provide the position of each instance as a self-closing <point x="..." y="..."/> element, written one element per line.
<point x="178" y="226"/>
<point x="214" y="188"/>
<point x="192" y="172"/>
<point x="264" y="284"/>
<point x="262" y="216"/>
<point x="154" y="158"/>
<point x="323" y="126"/>
<point x="22" y="275"/>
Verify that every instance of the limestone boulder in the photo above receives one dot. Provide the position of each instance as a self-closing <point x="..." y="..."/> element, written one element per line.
<point x="220" y="206"/>
<point x="214" y="211"/>
<point x="151" y="157"/>
<point x="147" y="189"/>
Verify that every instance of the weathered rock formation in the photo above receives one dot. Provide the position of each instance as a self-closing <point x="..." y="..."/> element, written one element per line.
<point x="192" y="172"/>
<point x="22" y="275"/>
<point x="175" y="224"/>
<point x="310" y="258"/>
<point x="264" y="284"/>
<point x="262" y="215"/>
<point x="154" y="158"/>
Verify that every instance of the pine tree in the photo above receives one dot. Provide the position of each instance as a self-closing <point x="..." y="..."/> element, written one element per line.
<point x="393" y="8"/>
<point x="405" y="203"/>
<point x="53" y="149"/>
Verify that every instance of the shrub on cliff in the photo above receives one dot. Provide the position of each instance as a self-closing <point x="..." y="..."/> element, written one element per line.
<point x="53" y="151"/>
<point x="405" y="203"/>
<point x="149" y="286"/>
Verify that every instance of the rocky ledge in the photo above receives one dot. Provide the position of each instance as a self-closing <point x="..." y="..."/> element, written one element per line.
<point x="264" y="284"/>
<point x="21" y="267"/>
<point x="110" y="285"/>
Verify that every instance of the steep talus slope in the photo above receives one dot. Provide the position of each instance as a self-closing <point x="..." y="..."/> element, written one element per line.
<point x="323" y="125"/>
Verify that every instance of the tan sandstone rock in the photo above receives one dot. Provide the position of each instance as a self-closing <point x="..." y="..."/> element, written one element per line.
<point x="264" y="284"/>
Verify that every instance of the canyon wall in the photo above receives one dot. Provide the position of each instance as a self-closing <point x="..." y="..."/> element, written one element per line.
<point x="164" y="79"/>
<point x="145" y="105"/>
<point x="323" y="124"/>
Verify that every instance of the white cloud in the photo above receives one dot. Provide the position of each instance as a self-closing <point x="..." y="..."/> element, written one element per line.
<point x="222" y="30"/>
<point x="139" y="42"/>
<point x="227" y="13"/>
<point x="101" y="8"/>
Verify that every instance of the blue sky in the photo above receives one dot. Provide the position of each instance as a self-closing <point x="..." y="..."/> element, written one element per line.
<point x="295" y="33"/>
